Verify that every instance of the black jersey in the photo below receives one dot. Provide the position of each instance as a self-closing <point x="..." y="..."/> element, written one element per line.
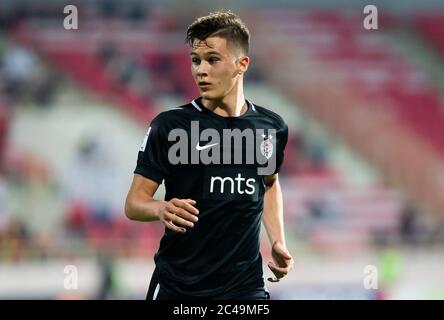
<point x="196" y="153"/>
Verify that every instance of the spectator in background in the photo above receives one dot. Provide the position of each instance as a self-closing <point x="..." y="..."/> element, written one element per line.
<point x="128" y="69"/>
<point x="107" y="284"/>
<point x="3" y="217"/>
<point x="90" y="179"/>
<point x="45" y="88"/>
<point x="318" y="156"/>
<point x="389" y="268"/>
<point x="408" y="225"/>
<point x="20" y="68"/>
<point x="22" y="77"/>
<point x="138" y="11"/>
<point x="15" y="240"/>
<point x="106" y="53"/>
<point x="108" y="8"/>
<point x="325" y="208"/>
<point x="3" y="136"/>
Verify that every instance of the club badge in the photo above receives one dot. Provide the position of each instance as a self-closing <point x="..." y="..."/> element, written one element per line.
<point x="267" y="146"/>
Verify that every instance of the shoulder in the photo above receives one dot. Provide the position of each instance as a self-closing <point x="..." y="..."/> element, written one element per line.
<point x="275" y="118"/>
<point x="168" y="116"/>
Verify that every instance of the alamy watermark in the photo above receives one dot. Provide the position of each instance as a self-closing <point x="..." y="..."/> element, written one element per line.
<point x="71" y="21"/>
<point x="370" y="281"/>
<point x="371" y="19"/>
<point x="71" y="279"/>
<point x="233" y="146"/>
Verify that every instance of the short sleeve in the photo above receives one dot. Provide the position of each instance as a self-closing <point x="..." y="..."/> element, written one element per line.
<point x="152" y="160"/>
<point x="281" y="144"/>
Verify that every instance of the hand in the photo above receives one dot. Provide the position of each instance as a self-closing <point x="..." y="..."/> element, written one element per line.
<point x="178" y="213"/>
<point x="282" y="261"/>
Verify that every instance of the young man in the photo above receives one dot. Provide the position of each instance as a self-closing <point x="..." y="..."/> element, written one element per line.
<point x="219" y="156"/>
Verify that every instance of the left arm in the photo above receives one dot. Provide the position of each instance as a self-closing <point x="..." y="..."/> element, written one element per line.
<point x="274" y="224"/>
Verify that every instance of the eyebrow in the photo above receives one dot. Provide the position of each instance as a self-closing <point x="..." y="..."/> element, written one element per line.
<point x="207" y="53"/>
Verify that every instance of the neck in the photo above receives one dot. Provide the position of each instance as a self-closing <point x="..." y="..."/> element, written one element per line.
<point x="232" y="105"/>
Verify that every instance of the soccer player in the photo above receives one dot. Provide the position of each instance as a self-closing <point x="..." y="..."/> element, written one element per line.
<point x="213" y="204"/>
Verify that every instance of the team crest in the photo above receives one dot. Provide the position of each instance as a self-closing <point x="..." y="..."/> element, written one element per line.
<point x="267" y="146"/>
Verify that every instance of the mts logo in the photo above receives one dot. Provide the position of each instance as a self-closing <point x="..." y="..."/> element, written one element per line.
<point x="241" y="186"/>
<point x="232" y="183"/>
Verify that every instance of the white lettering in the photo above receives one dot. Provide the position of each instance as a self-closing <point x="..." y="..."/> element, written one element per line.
<point x="371" y="277"/>
<point x="71" y="281"/>
<point x="247" y="187"/>
<point x="371" y="20"/>
<point x="71" y="20"/>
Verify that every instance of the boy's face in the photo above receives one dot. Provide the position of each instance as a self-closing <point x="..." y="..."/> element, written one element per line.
<point x="216" y="68"/>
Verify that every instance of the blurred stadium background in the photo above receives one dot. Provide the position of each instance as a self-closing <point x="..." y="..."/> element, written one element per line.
<point x="363" y="178"/>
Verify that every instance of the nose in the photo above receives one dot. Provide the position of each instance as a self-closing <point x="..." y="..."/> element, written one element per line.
<point x="202" y="69"/>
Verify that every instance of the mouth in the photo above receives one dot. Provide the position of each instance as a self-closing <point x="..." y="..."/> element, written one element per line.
<point x="204" y="84"/>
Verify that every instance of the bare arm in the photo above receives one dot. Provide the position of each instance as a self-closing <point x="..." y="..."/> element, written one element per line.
<point x="139" y="204"/>
<point x="274" y="225"/>
<point x="273" y="210"/>
<point x="174" y="214"/>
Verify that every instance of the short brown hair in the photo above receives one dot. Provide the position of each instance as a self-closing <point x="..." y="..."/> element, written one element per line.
<point x="224" y="24"/>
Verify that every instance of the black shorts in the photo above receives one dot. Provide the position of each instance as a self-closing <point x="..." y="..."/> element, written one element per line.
<point x="157" y="292"/>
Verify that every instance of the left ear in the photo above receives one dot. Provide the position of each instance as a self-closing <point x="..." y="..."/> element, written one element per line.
<point x="243" y="61"/>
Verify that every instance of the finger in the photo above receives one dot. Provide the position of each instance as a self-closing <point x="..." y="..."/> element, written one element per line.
<point x="174" y="228"/>
<point x="273" y="279"/>
<point x="182" y="222"/>
<point x="278" y="272"/>
<point x="168" y="222"/>
<point x="285" y="254"/>
<point x="283" y="263"/>
<point x="186" y="205"/>
<point x="184" y="214"/>
<point x="282" y="252"/>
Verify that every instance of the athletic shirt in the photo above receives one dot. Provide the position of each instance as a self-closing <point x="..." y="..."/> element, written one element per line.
<point x="195" y="153"/>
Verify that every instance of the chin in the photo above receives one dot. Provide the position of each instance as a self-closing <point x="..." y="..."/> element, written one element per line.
<point x="207" y="95"/>
<point x="210" y="96"/>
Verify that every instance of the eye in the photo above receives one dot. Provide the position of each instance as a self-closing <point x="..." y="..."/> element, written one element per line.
<point x="213" y="60"/>
<point x="195" y="61"/>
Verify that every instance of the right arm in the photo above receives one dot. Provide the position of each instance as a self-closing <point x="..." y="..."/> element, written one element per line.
<point x="174" y="214"/>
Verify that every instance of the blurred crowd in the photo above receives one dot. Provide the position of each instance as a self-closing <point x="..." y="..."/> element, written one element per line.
<point x="23" y="77"/>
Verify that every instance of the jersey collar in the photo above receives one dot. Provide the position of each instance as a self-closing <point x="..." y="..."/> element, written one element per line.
<point x="198" y="105"/>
